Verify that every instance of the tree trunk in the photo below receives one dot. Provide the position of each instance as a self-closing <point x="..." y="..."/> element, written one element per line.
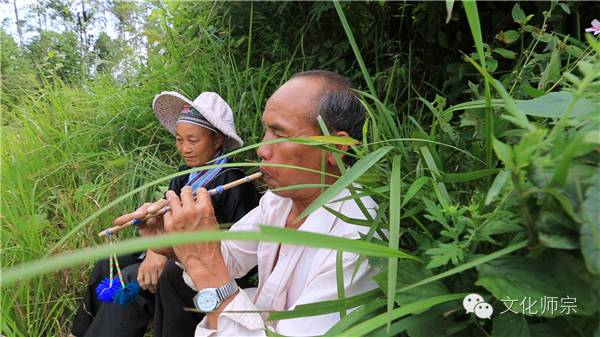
<point x="18" y="22"/>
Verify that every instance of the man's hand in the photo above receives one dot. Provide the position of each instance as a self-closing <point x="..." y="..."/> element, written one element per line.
<point x="203" y="261"/>
<point x="152" y="226"/>
<point x="150" y="270"/>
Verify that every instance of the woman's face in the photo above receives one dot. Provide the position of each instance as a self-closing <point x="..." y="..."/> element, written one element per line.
<point x="196" y="144"/>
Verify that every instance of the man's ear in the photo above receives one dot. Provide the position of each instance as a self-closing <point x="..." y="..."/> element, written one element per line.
<point x="330" y="157"/>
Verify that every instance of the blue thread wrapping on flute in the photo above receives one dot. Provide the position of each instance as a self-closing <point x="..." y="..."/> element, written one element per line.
<point x="219" y="189"/>
<point x="137" y="222"/>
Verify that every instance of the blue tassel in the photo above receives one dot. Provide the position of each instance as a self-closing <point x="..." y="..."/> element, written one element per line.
<point x="124" y="296"/>
<point x="106" y="292"/>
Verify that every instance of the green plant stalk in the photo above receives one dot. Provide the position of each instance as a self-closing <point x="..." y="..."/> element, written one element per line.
<point x="395" y="205"/>
<point x="339" y="270"/>
<point x="474" y="24"/>
<point x="530" y="50"/>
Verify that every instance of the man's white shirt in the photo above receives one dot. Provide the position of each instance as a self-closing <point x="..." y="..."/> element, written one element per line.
<point x="301" y="275"/>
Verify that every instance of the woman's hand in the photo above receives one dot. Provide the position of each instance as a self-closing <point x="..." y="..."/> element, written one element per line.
<point x="152" y="226"/>
<point x="150" y="270"/>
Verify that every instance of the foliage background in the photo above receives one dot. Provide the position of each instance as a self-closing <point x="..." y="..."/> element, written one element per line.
<point x="494" y="198"/>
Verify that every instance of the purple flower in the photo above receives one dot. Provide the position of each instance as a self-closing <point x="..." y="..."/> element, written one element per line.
<point x="595" y="28"/>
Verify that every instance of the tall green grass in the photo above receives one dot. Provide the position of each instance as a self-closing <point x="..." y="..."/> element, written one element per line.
<point x="506" y="186"/>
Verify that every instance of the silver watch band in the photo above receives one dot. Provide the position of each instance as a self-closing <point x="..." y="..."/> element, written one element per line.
<point x="227" y="290"/>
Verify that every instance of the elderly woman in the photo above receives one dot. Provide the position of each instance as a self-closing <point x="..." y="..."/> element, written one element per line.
<point x="203" y="129"/>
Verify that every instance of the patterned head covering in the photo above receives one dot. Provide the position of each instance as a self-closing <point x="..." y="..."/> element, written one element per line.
<point x="208" y="110"/>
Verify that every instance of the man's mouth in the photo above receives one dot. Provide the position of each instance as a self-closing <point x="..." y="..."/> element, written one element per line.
<point x="266" y="174"/>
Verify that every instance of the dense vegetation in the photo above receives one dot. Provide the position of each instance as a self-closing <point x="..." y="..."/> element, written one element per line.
<point x="481" y="148"/>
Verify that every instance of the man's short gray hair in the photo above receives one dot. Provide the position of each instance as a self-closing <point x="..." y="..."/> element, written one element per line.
<point x="337" y="105"/>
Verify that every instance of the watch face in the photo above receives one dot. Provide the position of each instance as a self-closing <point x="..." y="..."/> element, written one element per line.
<point x="206" y="300"/>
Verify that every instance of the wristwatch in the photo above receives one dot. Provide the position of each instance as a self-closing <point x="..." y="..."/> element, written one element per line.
<point x="209" y="299"/>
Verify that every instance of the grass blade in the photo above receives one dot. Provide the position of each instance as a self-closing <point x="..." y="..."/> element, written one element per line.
<point x="474" y="24"/>
<point x="325" y="307"/>
<point x="267" y="233"/>
<point x="355" y="49"/>
<point x="375" y="322"/>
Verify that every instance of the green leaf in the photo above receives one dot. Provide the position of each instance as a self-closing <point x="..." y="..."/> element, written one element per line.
<point x="589" y="232"/>
<point x="562" y="200"/>
<point x="444" y="253"/>
<point x="510" y="325"/>
<point x="440" y="188"/>
<point x="467" y="176"/>
<point x="497" y="186"/>
<point x="565" y="7"/>
<point x="554" y="105"/>
<point x="524" y="152"/>
<point x="558" y="241"/>
<point x="413" y="189"/>
<point x="360" y="167"/>
<point x="508" y="54"/>
<point x="505" y="154"/>
<point x="552" y="70"/>
<point x="508" y="37"/>
<point x="407" y="274"/>
<point x="436" y="326"/>
<point x="449" y="6"/>
<point x="531" y="91"/>
<point x="518" y="14"/>
<point x="522" y="283"/>
<point x="551" y="328"/>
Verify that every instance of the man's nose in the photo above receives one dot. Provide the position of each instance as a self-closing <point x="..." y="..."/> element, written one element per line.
<point x="264" y="152"/>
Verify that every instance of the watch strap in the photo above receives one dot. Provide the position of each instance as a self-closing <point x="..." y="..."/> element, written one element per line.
<point x="227" y="290"/>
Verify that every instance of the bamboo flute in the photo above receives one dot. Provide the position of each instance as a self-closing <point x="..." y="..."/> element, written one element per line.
<point x="214" y="191"/>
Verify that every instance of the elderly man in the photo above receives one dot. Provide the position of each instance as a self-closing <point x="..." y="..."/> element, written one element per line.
<point x="288" y="275"/>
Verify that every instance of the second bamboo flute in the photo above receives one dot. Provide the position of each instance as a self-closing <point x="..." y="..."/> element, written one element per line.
<point x="216" y="190"/>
